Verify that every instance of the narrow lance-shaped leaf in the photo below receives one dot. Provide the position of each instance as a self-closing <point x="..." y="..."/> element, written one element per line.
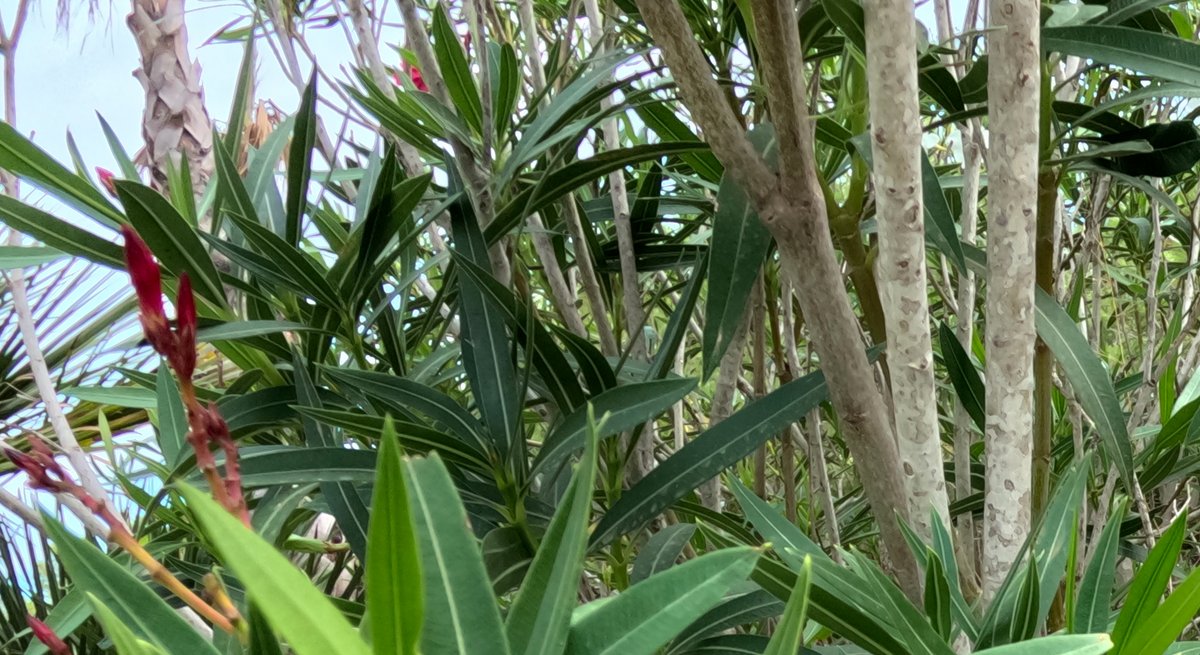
<point x="138" y="606"/>
<point x="710" y="453"/>
<point x="539" y="619"/>
<point x="647" y="615"/>
<point x="460" y="613"/>
<point x="487" y="350"/>
<point x="789" y="634"/>
<point x="308" y="620"/>
<point x="1089" y="379"/>
<point x="299" y="167"/>
<point x="393" y="579"/>
<point x="739" y="246"/>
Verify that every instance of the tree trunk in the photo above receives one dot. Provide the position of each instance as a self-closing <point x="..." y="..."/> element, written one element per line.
<point x="793" y="208"/>
<point x="175" y="123"/>
<point x="896" y="143"/>
<point x="1014" y="101"/>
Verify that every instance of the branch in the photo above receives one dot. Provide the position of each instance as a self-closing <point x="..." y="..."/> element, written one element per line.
<point x="703" y="97"/>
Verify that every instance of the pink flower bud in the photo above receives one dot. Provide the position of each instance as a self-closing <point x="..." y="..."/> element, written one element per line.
<point x="147" y="282"/>
<point x="184" y="358"/>
<point x="47" y="636"/>
<point x="107" y="179"/>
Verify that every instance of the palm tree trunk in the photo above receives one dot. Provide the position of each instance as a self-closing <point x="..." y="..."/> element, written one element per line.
<point x="175" y="123"/>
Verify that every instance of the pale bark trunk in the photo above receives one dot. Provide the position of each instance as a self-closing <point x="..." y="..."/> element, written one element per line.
<point x="722" y="402"/>
<point x="793" y="208"/>
<point x="896" y="142"/>
<point x="566" y="306"/>
<point x="1013" y="95"/>
<point x="175" y="122"/>
<point x="641" y="460"/>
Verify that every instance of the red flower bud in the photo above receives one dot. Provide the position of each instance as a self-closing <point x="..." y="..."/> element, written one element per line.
<point x="47" y="636"/>
<point x="147" y="282"/>
<point x="107" y="179"/>
<point x="184" y="359"/>
<point x="417" y="80"/>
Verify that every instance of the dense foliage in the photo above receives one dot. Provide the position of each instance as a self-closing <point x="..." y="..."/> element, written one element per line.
<point x="529" y="375"/>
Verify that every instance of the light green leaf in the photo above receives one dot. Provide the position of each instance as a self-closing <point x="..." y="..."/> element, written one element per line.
<point x="27" y="256"/>
<point x="1056" y="645"/>
<point x="393" y="578"/>
<point x="539" y="620"/>
<point x="789" y="634"/>
<point x="122" y="637"/>
<point x="140" y="607"/>
<point x="295" y="608"/>
<point x="460" y="613"/>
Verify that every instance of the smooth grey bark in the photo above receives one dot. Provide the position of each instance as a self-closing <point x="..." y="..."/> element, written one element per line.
<point x="1014" y="90"/>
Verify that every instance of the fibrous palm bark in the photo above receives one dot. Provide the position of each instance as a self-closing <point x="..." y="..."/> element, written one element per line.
<point x="175" y="123"/>
<point x="896" y="144"/>
<point x="1014" y="86"/>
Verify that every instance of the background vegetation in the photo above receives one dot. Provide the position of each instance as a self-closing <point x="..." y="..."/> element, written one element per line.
<point x="598" y="326"/>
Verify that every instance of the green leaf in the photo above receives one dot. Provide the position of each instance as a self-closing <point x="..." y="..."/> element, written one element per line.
<point x="661" y="551"/>
<point x="171" y="239"/>
<point x="67" y="614"/>
<point x="126" y="596"/>
<point x="789" y="634"/>
<point x="59" y="234"/>
<point x="263" y="466"/>
<point x="299" y="168"/>
<point x="647" y="615"/>
<point x="1156" y="633"/>
<point x="231" y="191"/>
<point x="26" y="256"/>
<point x="125" y="642"/>
<point x="1148" y="585"/>
<point x="567" y="178"/>
<point x="707" y="455"/>
<point x="460" y="613"/>
<point x="414" y="437"/>
<point x="135" y="397"/>
<point x="301" y="271"/>
<point x="309" y="622"/>
<point x="622" y="408"/>
<point x="739" y="246"/>
<point x="540" y="617"/>
<point x="548" y="359"/>
<point x="345" y="503"/>
<point x="22" y="158"/>
<point x="235" y="330"/>
<point x="486" y="347"/>
<point x="407" y="394"/>
<point x="1096" y="588"/>
<point x="172" y="417"/>
<point x="938" y="603"/>
<point x="963" y="375"/>
<point x="456" y="71"/>
<point x="1056" y="645"/>
<point x="1146" y="52"/>
<point x="393" y="578"/>
<point x="1089" y="379"/>
<point x="944" y="235"/>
